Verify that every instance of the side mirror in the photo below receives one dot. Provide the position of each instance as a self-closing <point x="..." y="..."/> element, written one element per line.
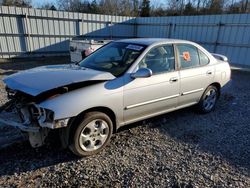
<point x="142" y="73"/>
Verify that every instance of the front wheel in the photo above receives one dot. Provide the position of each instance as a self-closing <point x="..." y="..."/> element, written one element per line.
<point x="92" y="134"/>
<point x="208" y="100"/>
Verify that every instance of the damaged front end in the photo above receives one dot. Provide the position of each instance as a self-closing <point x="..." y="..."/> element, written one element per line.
<point x="22" y="112"/>
<point x="32" y="97"/>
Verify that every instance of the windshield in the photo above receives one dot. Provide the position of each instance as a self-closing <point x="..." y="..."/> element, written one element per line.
<point x="115" y="57"/>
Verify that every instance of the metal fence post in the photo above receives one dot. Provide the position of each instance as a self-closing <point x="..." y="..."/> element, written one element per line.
<point x="81" y="33"/>
<point x="78" y="29"/>
<point x="110" y="25"/>
<point x="170" y="30"/>
<point x="218" y="36"/>
<point x="135" y="27"/>
<point x="28" y="33"/>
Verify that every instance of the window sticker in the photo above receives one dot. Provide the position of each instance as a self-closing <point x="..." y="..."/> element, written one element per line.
<point x="134" y="47"/>
<point x="186" y="56"/>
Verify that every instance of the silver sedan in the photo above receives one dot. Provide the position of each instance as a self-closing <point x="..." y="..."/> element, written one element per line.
<point x="122" y="82"/>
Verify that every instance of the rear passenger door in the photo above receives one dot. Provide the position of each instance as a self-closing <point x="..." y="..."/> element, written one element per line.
<point x="195" y="71"/>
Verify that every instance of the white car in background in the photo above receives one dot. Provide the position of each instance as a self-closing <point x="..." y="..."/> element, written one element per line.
<point x="79" y="49"/>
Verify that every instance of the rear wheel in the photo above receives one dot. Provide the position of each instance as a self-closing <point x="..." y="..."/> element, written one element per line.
<point x="92" y="134"/>
<point x="208" y="100"/>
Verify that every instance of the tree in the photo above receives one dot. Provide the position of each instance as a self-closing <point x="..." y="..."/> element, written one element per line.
<point x="159" y="12"/>
<point x="234" y="8"/>
<point x="109" y="7"/>
<point x="246" y="7"/>
<point x="136" y="8"/>
<point x="174" y="7"/>
<point x="216" y="6"/>
<point x="198" y="5"/>
<point x="125" y="8"/>
<point x="145" y="8"/>
<point x="94" y="7"/>
<point x="189" y="9"/>
<point x="158" y="8"/>
<point x="69" y="5"/>
<point x="48" y="6"/>
<point x="78" y="6"/>
<point x="18" y="3"/>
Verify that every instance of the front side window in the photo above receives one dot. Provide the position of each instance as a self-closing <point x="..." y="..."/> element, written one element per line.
<point x="115" y="57"/>
<point x="188" y="56"/>
<point x="159" y="59"/>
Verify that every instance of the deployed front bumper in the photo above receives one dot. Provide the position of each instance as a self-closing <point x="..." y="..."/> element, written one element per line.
<point x="35" y="133"/>
<point x="20" y="126"/>
<point x="11" y="119"/>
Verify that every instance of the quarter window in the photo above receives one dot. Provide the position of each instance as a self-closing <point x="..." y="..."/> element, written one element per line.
<point x="204" y="60"/>
<point x="188" y="56"/>
<point x="159" y="59"/>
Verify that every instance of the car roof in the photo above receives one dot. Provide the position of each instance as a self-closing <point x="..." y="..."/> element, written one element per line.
<point x="150" y="41"/>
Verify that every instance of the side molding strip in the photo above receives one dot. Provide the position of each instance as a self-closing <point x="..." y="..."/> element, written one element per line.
<point x="152" y="101"/>
<point x="193" y="91"/>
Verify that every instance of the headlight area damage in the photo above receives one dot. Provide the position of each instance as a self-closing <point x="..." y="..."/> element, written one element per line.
<point x="23" y="112"/>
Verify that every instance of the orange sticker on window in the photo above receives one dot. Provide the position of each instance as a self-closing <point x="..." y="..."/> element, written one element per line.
<point x="186" y="56"/>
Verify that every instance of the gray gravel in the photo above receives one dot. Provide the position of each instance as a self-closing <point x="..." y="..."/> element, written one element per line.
<point x="179" y="149"/>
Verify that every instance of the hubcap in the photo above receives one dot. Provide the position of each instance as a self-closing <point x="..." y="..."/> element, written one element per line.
<point x="210" y="99"/>
<point x="94" y="135"/>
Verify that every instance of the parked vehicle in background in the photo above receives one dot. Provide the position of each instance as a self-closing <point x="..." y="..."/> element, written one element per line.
<point x="123" y="82"/>
<point x="79" y="49"/>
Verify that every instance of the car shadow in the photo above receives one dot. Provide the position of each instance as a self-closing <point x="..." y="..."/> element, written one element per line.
<point x="21" y="157"/>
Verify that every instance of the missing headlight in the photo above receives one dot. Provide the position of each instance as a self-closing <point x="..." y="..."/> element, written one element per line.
<point x="50" y="116"/>
<point x="35" y="111"/>
<point x="46" y="116"/>
<point x="47" y="120"/>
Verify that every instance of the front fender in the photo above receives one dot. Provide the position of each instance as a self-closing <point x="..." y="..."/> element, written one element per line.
<point x="74" y="102"/>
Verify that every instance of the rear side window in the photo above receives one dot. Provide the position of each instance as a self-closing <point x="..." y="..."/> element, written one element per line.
<point x="204" y="60"/>
<point x="188" y="56"/>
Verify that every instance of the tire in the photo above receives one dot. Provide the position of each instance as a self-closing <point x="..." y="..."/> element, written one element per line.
<point x="208" y="100"/>
<point x="92" y="134"/>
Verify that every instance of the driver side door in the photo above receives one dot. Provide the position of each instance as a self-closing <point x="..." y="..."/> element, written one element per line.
<point x="147" y="97"/>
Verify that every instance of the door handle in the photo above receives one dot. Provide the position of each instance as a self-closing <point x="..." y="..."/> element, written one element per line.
<point x="174" y="79"/>
<point x="209" y="72"/>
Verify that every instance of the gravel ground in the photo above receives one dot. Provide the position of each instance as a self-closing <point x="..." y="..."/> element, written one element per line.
<point x="179" y="149"/>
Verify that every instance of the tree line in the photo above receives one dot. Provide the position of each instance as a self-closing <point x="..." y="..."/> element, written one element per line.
<point x="142" y="8"/>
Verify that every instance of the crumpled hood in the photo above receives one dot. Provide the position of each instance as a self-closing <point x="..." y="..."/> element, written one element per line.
<point x="38" y="80"/>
